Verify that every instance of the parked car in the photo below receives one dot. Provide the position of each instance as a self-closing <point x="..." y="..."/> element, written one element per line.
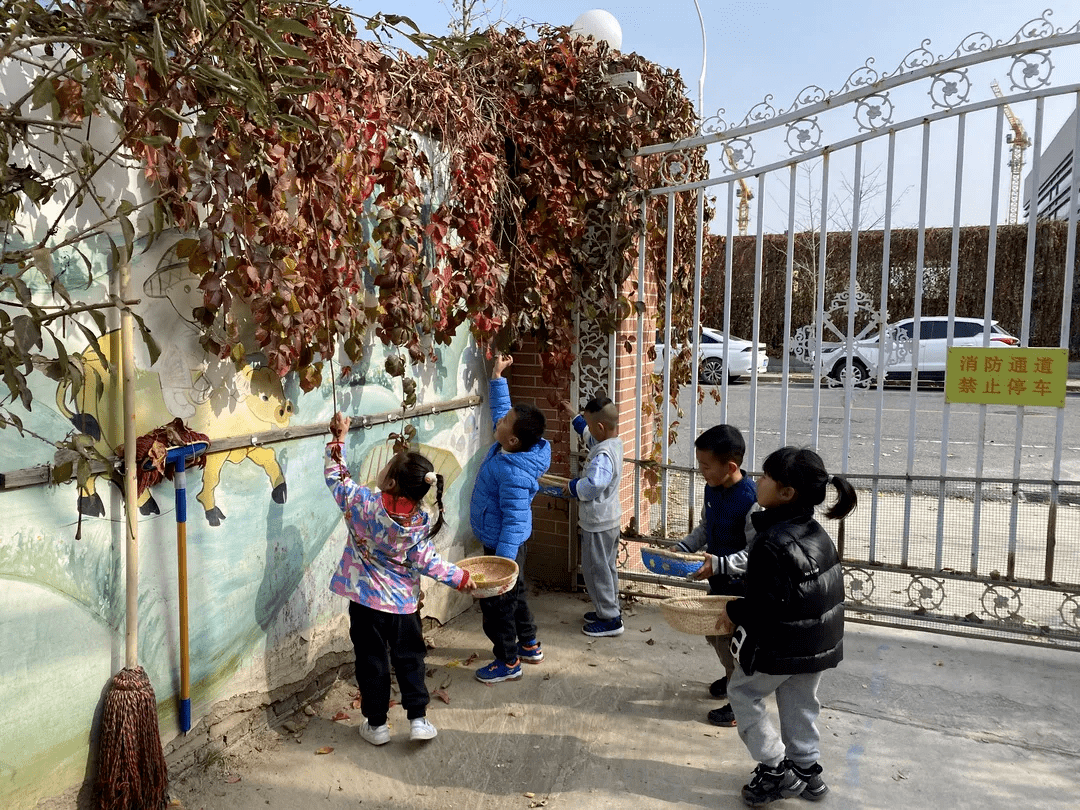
<point x="741" y="357"/>
<point x="901" y="346"/>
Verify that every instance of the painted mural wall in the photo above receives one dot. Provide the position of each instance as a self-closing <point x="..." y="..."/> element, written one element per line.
<point x="263" y="534"/>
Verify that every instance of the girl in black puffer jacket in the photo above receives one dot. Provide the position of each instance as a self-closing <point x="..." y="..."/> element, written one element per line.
<point x="790" y="625"/>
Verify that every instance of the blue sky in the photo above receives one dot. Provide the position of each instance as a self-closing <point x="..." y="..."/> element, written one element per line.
<point x="775" y="48"/>
<point x="756" y="47"/>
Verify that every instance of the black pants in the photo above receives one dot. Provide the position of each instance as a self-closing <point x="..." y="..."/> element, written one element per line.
<point x="507" y="618"/>
<point x="379" y="641"/>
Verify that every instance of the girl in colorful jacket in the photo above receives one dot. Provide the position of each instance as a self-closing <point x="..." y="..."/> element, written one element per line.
<point x="389" y="547"/>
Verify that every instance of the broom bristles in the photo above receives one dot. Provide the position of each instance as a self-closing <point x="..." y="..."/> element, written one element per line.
<point x="132" y="774"/>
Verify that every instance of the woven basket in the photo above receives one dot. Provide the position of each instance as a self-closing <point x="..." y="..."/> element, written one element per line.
<point x="494" y="576"/>
<point x="697" y="615"/>
<point x="671" y="563"/>
<point x="553" y="485"/>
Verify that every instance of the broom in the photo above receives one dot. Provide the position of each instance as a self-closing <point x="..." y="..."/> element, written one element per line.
<point x="132" y="774"/>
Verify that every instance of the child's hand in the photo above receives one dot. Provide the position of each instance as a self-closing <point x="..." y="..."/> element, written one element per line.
<point x="502" y="362"/>
<point x="339" y="426"/>
<point x="467" y="584"/>
<point x="566" y="490"/>
<point x="705" y="571"/>
<point x="564" y="407"/>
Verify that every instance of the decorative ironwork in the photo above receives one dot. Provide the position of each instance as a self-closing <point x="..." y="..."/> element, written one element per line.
<point x="874" y="112"/>
<point x="675" y="169"/>
<point x="950" y="86"/>
<point x="950" y="89"/>
<point x="925" y="592"/>
<point x="863" y="345"/>
<point x="1002" y="602"/>
<point x="1070" y="611"/>
<point x="803" y="135"/>
<point x="858" y="584"/>
<point x="739" y="153"/>
<point x="1031" y="70"/>
<point x="593" y="360"/>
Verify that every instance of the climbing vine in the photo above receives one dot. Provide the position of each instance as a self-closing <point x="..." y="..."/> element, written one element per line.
<point x="327" y="185"/>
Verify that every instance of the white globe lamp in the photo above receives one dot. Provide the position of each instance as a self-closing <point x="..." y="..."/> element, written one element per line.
<point x="600" y="25"/>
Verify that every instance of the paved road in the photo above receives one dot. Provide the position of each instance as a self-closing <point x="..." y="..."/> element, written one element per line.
<point x="1001" y="433"/>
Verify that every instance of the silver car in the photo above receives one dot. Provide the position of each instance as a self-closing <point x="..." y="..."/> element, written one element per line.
<point x="741" y="356"/>
<point x="902" y="347"/>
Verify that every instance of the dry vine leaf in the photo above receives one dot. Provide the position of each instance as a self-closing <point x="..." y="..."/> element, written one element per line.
<point x="340" y="716"/>
<point x="441" y="694"/>
<point x="232" y="780"/>
<point x="326" y="749"/>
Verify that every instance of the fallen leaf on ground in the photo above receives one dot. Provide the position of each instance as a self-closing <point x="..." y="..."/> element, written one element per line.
<point x="340" y="716"/>
<point x="529" y="795"/>
<point x="393" y="703"/>
<point x="326" y="749"/>
<point x="232" y="780"/>
<point x="453" y="663"/>
<point x="646" y="630"/>
<point x="649" y="641"/>
<point x="441" y="695"/>
<point x="356" y="703"/>
<point x="471" y="658"/>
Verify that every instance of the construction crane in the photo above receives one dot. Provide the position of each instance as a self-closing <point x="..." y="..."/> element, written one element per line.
<point x="743" y="192"/>
<point x="1020" y="141"/>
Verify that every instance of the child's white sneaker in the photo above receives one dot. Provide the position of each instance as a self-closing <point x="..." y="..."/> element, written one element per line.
<point x="376" y="735"/>
<point x="421" y="729"/>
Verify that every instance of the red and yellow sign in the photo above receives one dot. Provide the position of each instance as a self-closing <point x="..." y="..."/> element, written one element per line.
<point x="1007" y="376"/>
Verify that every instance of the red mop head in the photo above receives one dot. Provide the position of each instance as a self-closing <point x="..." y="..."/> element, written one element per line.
<point x="131" y="774"/>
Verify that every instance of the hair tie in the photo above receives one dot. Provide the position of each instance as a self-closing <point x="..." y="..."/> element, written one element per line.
<point x="430" y="478"/>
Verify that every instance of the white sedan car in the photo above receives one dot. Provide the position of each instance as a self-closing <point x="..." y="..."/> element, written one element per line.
<point x="741" y="356"/>
<point x="901" y="346"/>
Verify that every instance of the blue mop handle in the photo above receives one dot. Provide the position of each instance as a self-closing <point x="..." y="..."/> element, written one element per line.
<point x="180" y="486"/>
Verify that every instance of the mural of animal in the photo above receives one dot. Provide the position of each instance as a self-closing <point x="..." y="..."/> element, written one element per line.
<point x="251" y="402"/>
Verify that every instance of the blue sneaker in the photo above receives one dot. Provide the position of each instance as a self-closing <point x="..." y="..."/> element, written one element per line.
<point x="498" y="671"/>
<point x="591" y="616"/>
<point x="604" y="627"/>
<point x="530" y="653"/>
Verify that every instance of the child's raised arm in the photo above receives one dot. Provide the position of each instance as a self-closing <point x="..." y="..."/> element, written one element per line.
<point x="502" y="362"/>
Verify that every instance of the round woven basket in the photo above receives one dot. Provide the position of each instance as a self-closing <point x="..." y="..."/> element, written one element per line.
<point x="493" y="576"/>
<point x="697" y="615"/>
<point x="671" y="563"/>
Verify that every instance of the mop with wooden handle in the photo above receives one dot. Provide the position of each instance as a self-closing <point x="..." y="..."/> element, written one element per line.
<point x="178" y="457"/>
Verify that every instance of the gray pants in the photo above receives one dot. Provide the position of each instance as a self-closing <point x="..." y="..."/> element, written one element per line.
<point x="598" y="552"/>
<point x="722" y="645"/>
<point x="798" y="707"/>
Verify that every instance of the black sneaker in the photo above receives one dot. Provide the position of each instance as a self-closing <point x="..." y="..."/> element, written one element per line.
<point x="771" y="784"/>
<point x="724" y="716"/>
<point x="816" y="788"/>
<point x="718" y="689"/>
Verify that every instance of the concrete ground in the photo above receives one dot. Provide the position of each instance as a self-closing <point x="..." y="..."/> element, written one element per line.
<point x="910" y="720"/>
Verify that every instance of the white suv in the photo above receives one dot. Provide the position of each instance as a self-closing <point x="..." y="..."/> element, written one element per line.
<point x="711" y="360"/>
<point x="901" y="345"/>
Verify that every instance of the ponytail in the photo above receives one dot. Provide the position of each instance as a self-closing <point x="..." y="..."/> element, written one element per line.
<point x="846" y="499"/>
<point x="440" y="521"/>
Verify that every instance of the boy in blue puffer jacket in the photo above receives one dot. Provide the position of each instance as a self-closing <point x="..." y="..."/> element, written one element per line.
<point x="500" y="514"/>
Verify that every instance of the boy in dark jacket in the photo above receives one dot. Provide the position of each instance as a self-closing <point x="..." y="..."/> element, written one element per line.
<point x="500" y="514"/>
<point x="729" y="496"/>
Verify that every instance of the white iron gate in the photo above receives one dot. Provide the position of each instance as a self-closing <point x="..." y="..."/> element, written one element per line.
<point x="969" y="517"/>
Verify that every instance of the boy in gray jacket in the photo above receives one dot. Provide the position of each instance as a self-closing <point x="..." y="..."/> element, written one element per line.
<point x="600" y="513"/>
